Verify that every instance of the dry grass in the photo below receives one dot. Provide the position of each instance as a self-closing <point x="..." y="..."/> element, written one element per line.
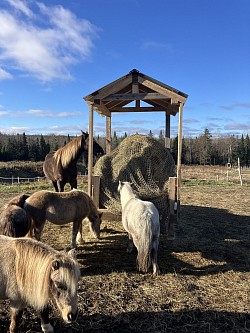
<point x="204" y="285"/>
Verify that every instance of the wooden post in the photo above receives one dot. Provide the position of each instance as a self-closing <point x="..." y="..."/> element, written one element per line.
<point x="240" y="176"/>
<point x="172" y="216"/>
<point x="108" y="135"/>
<point x="90" y="149"/>
<point x="179" y="158"/>
<point x="96" y="190"/>
<point x="167" y="131"/>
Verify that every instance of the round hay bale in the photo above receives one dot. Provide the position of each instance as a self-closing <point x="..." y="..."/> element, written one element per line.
<point x="143" y="161"/>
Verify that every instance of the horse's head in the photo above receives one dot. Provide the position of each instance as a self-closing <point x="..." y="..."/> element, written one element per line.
<point x="95" y="224"/>
<point x="64" y="282"/>
<point x="97" y="149"/>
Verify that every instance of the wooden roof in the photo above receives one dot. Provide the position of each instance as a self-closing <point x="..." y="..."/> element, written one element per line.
<point x="149" y="95"/>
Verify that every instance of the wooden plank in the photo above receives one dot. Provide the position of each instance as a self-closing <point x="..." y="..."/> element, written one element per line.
<point x="164" y="91"/>
<point x="179" y="152"/>
<point x="109" y="89"/>
<point x="169" y="109"/>
<point x="90" y="148"/>
<point x="134" y="96"/>
<point x="96" y="190"/>
<point x="172" y="217"/>
<point x="108" y="135"/>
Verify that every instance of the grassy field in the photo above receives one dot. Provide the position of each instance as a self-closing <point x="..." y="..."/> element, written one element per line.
<point x="205" y="271"/>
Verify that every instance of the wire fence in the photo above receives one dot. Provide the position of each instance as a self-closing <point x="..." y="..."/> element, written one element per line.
<point x="17" y="180"/>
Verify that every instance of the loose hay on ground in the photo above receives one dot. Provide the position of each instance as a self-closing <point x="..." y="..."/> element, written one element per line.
<point x="204" y="286"/>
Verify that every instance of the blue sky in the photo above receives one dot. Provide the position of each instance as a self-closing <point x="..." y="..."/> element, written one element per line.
<point x="55" y="52"/>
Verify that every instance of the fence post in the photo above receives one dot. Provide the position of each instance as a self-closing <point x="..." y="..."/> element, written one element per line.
<point x="173" y="207"/>
<point x="240" y="176"/>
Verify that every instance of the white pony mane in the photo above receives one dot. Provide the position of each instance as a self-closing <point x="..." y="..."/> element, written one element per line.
<point x="126" y="192"/>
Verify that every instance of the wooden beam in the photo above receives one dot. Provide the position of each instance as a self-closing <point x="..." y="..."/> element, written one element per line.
<point x="179" y="153"/>
<point x="108" y="135"/>
<point x="167" y="130"/>
<point x="168" y="109"/>
<point x="90" y="149"/>
<point x="172" y="216"/>
<point x="134" y="96"/>
<point x="109" y="89"/>
<point x="164" y="91"/>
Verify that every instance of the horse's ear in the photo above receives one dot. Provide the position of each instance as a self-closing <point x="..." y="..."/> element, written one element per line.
<point x="55" y="265"/>
<point x="72" y="253"/>
<point x="85" y="135"/>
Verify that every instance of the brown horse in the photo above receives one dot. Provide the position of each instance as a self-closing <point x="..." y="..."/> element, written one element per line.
<point x="60" y="166"/>
<point x="61" y="208"/>
<point x="14" y="221"/>
<point x="31" y="273"/>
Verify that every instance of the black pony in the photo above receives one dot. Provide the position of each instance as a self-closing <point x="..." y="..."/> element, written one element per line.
<point x="60" y="166"/>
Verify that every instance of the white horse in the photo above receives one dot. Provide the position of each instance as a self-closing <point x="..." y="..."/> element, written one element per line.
<point x="141" y="220"/>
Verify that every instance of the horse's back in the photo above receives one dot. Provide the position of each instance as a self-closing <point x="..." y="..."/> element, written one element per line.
<point x="56" y="207"/>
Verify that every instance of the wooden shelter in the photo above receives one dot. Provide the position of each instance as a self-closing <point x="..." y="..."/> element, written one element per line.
<point x="148" y="95"/>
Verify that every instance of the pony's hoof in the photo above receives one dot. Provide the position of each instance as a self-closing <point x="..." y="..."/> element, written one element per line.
<point x="47" y="328"/>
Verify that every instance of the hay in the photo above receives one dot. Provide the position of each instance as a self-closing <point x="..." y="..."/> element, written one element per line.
<point x="144" y="162"/>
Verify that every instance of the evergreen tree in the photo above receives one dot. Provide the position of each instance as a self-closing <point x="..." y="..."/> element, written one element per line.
<point x="115" y="141"/>
<point x="150" y="134"/>
<point x="241" y="151"/>
<point x="174" y="148"/>
<point x="247" y="150"/>
<point x="24" y="149"/>
<point x="44" y="148"/>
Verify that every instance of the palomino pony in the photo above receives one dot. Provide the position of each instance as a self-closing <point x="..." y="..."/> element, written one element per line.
<point x="61" y="208"/>
<point x="60" y="166"/>
<point x="31" y="273"/>
<point x="14" y="221"/>
<point x="141" y="220"/>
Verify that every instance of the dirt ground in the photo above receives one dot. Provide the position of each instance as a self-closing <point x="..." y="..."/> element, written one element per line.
<point x="204" y="284"/>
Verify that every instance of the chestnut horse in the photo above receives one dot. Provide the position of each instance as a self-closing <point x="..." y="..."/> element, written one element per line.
<point x="31" y="273"/>
<point x="60" y="166"/>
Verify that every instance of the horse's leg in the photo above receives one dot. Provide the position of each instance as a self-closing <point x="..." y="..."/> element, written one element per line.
<point x="45" y="324"/>
<point x="130" y="243"/>
<point x="79" y="238"/>
<point x="75" y="229"/>
<point x="73" y="184"/>
<point x="55" y="186"/>
<point x="60" y="186"/>
<point x="15" y="318"/>
<point x="156" y="269"/>
<point x="38" y="228"/>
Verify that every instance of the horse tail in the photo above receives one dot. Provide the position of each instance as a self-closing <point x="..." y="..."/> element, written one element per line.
<point x="144" y="256"/>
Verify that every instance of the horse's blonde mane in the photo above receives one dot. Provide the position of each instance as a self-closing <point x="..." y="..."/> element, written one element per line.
<point x="68" y="152"/>
<point x="33" y="270"/>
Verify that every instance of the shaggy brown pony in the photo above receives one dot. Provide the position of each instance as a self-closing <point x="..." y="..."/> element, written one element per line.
<point x="14" y="221"/>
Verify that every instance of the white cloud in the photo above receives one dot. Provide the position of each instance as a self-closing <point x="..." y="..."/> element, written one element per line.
<point x="43" y="43"/>
<point x="4" y="75"/>
<point x="45" y="113"/>
<point x="22" y="6"/>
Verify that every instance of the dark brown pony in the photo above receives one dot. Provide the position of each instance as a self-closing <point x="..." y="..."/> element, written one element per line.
<point x="14" y="221"/>
<point x="60" y="166"/>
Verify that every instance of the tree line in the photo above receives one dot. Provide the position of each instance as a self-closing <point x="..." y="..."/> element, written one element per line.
<point x="203" y="149"/>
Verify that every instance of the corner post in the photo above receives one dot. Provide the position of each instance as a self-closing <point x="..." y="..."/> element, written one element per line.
<point x="179" y="158"/>
<point x="108" y="135"/>
<point x="90" y="149"/>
